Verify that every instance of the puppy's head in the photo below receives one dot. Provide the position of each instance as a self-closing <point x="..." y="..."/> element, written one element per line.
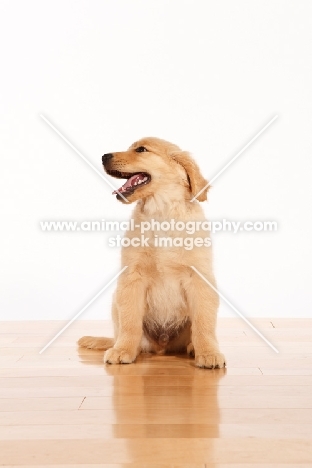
<point x="152" y="166"/>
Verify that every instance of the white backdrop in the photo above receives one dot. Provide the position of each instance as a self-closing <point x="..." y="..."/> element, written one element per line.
<point x="206" y="75"/>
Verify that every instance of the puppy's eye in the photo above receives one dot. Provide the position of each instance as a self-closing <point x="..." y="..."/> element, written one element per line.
<point x="140" y="149"/>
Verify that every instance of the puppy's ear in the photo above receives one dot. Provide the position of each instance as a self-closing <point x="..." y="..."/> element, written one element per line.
<point x="196" y="180"/>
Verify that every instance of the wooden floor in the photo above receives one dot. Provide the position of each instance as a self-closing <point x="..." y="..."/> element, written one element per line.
<point x="65" y="408"/>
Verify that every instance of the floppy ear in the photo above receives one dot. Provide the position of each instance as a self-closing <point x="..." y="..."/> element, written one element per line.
<point x="196" y="180"/>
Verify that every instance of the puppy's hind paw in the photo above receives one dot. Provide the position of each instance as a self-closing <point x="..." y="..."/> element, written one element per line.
<point x="94" y="342"/>
<point x="190" y="350"/>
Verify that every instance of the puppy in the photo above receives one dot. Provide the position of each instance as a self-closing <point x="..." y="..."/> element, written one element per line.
<point x="161" y="304"/>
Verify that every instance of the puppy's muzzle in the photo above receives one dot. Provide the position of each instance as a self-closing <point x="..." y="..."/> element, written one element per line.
<point x="106" y="157"/>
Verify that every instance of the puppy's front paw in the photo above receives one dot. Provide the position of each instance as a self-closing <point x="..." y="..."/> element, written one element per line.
<point x="210" y="361"/>
<point x="118" y="356"/>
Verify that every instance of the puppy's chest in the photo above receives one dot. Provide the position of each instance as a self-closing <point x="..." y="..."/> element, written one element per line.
<point x="166" y="313"/>
<point x="165" y="299"/>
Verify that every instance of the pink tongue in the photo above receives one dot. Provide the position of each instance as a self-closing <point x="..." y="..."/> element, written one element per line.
<point x="130" y="183"/>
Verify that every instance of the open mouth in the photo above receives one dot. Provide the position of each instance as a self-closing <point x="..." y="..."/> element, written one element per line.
<point x="134" y="181"/>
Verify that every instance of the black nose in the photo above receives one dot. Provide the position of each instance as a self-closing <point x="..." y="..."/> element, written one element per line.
<point x="106" y="157"/>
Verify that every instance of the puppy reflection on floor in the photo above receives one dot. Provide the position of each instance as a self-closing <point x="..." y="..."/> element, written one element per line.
<point x="161" y="305"/>
<point x="160" y="397"/>
<point x="156" y="408"/>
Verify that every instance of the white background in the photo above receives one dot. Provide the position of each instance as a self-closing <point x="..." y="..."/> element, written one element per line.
<point x="205" y="75"/>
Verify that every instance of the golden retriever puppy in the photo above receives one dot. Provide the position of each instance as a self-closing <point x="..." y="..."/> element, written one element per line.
<point x="161" y="304"/>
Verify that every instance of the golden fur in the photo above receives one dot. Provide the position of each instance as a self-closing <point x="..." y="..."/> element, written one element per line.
<point x="161" y="304"/>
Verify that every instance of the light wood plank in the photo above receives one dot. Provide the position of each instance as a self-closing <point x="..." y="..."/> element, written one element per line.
<point x="152" y="402"/>
<point x="187" y="401"/>
<point x="285" y="371"/>
<point x="128" y="465"/>
<point x="236" y="450"/>
<point x="148" y="431"/>
<point x="166" y="465"/>
<point x="40" y="404"/>
<point x="78" y="369"/>
<point x="205" y="378"/>
<point x="208" y="391"/>
<point x="116" y="415"/>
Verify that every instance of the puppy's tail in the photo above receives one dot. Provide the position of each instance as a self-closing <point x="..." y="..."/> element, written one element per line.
<point x="96" y="342"/>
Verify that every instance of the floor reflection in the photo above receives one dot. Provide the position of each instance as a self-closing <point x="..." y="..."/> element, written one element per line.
<point x="162" y="397"/>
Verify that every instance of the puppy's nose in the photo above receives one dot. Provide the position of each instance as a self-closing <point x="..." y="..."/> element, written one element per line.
<point x="106" y="157"/>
